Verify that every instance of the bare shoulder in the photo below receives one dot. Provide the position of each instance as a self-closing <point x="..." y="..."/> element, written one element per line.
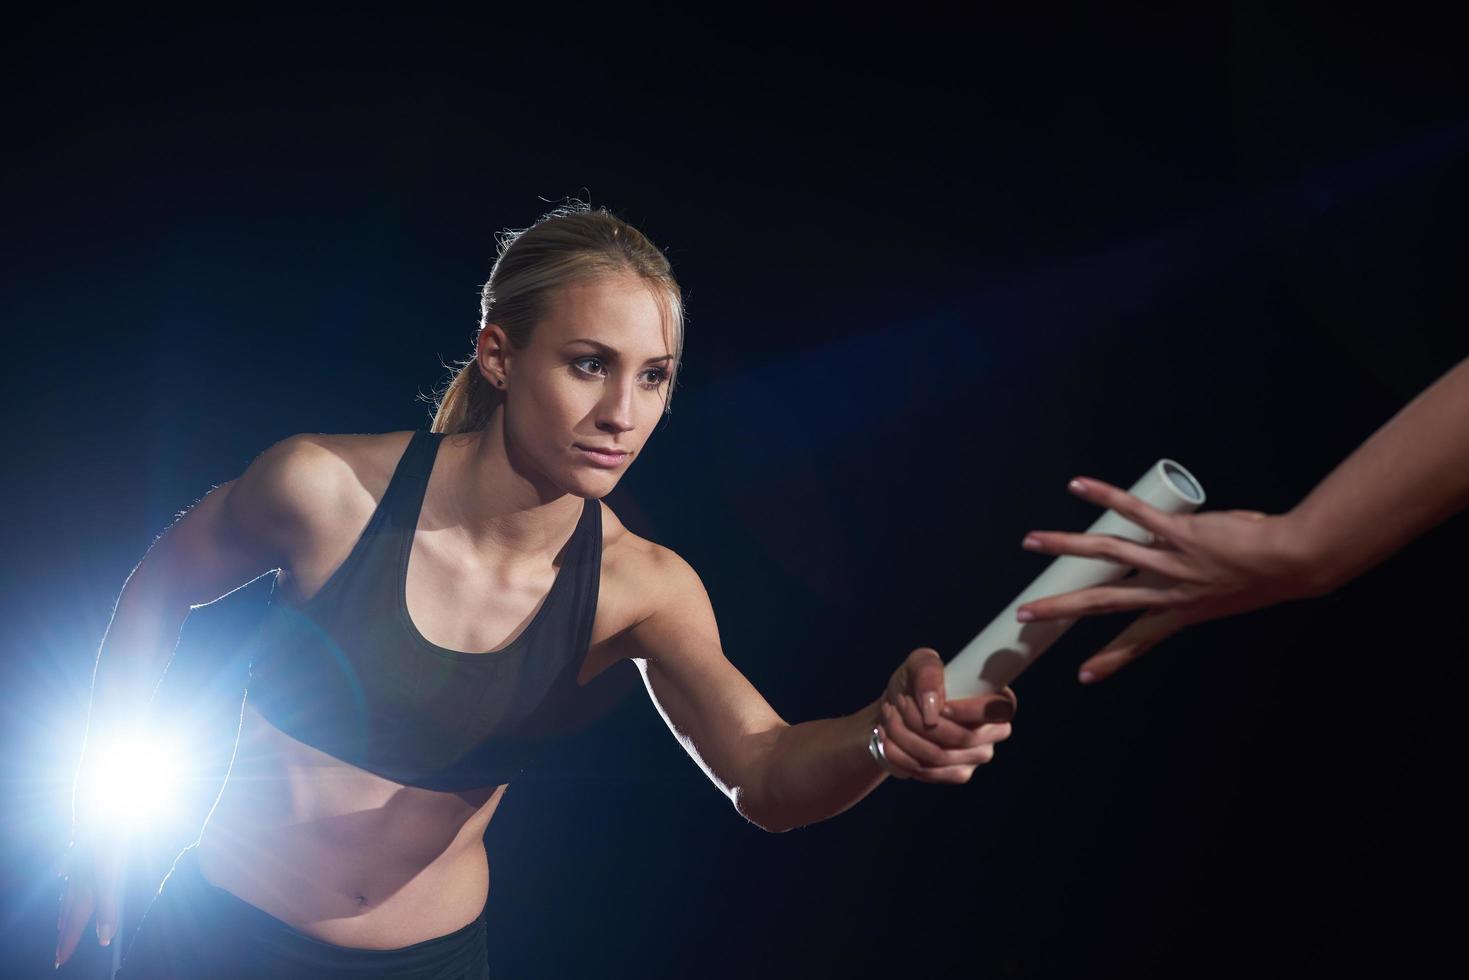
<point x="305" y="489"/>
<point x="347" y="462"/>
<point x="652" y="608"/>
<point x="330" y="454"/>
<point x="313" y="470"/>
<point x="641" y="578"/>
<point x="646" y="575"/>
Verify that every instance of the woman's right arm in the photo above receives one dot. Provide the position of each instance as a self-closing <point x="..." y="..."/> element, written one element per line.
<point x="239" y="531"/>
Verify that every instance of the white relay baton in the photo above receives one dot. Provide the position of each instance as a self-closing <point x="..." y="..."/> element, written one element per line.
<point x="994" y="658"/>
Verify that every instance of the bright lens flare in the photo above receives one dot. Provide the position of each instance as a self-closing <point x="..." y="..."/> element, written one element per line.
<point x="135" y="780"/>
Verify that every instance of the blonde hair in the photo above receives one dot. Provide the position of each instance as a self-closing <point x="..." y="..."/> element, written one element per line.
<point x="573" y="243"/>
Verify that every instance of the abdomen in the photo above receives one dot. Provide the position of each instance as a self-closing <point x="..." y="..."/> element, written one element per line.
<point x="342" y="854"/>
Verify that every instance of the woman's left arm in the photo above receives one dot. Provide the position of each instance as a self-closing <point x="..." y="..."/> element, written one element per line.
<point x="779" y="775"/>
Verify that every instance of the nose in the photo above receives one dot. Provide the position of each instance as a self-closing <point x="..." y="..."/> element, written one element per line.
<point x="615" y="410"/>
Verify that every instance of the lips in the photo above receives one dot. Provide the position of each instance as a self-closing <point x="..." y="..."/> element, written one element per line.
<point x="603" y="457"/>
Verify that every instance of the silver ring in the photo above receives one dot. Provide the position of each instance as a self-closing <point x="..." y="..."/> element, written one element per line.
<point x="874" y="745"/>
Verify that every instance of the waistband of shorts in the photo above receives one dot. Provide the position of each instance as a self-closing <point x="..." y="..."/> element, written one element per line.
<point x="281" y="940"/>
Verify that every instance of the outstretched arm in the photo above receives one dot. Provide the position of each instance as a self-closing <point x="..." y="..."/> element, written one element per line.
<point x="779" y="775"/>
<point x="1411" y="475"/>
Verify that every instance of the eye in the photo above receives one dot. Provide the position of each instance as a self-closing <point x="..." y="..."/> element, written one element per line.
<point x="582" y="360"/>
<point x="653" y="377"/>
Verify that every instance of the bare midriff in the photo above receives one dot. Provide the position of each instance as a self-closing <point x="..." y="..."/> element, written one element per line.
<point x="341" y="854"/>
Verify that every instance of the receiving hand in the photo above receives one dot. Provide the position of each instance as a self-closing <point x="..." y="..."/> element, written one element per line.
<point x="1199" y="567"/>
<point x="925" y="737"/>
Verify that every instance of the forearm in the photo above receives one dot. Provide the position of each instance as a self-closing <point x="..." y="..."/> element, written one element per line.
<point x="1412" y="474"/>
<point x="817" y="769"/>
<point x="134" y="653"/>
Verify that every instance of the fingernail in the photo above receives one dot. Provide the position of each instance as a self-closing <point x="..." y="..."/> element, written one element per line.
<point x="1086" y="677"/>
<point x="1076" y="486"/>
<point x="948" y="712"/>
<point x="1025" y="615"/>
<point x="104" y="935"/>
<point x="998" y="712"/>
<point x="1031" y="542"/>
<point x="930" y="708"/>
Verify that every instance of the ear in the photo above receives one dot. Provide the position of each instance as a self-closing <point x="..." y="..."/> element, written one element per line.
<point x="492" y="354"/>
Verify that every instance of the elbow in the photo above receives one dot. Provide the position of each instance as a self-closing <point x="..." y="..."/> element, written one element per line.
<point x="745" y="805"/>
<point x="748" y="805"/>
<point x="767" y="826"/>
<point x="775" y="826"/>
<point x="752" y="796"/>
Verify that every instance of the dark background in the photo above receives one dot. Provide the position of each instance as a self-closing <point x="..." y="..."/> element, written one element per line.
<point x="934" y="268"/>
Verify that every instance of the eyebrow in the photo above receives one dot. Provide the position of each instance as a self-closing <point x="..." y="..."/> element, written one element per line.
<point x="611" y="353"/>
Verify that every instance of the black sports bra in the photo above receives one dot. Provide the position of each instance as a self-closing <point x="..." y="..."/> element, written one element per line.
<point x="349" y="673"/>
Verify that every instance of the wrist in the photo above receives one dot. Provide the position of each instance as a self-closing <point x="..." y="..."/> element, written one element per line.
<point x="1305" y="572"/>
<point x="867" y="720"/>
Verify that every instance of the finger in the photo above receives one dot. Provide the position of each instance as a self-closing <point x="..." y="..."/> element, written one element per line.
<point x="1106" y="547"/>
<point x="981" y="709"/>
<point x="957" y="772"/>
<point x="947" y="734"/>
<point x="910" y="768"/>
<point x="68" y="893"/>
<point x="897" y="732"/>
<point x="1141" y="636"/>
<point x="74" y="924"/>
<point x="907" y="706"/>
<point x="107" y="892"/>
<point x="917" y="745"/>
<point x="1142" y="514"/>
<point x="972" y="747"/>
<point x="988" y="735"/>
<point x="960" y="772"/>
<point x="899" y="763"/>
<point x="926" y="683"/>
<point x="905" y="765"/>
<point x="992" y="734"/>
<point x="948" y="775"/>
<point x="1100" y="600"/>
<point x="68" y="900"/>
<point x="1164" y="545"/>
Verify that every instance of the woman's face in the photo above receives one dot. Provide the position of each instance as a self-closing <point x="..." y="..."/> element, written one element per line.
<point x="593" y="377"/>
